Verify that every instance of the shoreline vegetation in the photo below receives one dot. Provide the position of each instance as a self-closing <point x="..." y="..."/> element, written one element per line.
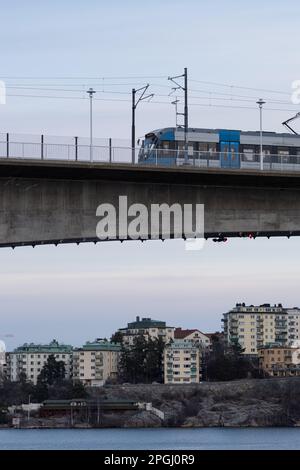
<point x="241" y="403"/>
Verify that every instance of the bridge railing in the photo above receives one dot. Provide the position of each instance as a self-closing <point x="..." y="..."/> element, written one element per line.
<point x="66" y="152"/>
<point x="157" y="157"/>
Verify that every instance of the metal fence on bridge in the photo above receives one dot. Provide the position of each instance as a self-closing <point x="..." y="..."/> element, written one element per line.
<point x="73" y="149"/>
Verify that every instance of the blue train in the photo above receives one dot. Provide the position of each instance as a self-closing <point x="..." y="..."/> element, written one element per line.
<point x="220" y="148"/>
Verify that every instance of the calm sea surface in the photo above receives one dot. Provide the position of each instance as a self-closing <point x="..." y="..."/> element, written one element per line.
<point x="147" y="439"/>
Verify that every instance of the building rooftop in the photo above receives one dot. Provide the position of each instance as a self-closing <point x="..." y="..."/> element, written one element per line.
<point x="51" y="348"/>
<point x="263" y="308"/>
<point x="145" y="323"/>
<point x="179" y="333"/>
<point x="100" y="345"/>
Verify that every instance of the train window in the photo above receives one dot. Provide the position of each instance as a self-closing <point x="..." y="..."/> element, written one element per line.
<point x="180" y="148"/>
<point x="202" y="147"/>
<point x="249" y="155"/>
<point x="212" y="148"/>
<point x="165" y="144"/>
<point x="284" y="155"/>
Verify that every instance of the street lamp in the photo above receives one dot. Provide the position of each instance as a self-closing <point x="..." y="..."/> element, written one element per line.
<point x="260" y="103"/>
<point x="91" y="93"/>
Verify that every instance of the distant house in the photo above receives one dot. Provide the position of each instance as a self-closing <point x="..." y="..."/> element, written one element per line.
<point x="193" y="335"/>
<point x="280" y="361"/>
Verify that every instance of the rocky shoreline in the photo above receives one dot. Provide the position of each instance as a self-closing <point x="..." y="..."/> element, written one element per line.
<point x="244" y="403"/>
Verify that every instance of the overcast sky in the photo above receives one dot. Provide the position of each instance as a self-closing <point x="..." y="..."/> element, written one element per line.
<point x="75" y="293"/>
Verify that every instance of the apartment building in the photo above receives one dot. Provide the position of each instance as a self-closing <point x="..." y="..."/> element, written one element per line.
<point x="181" y="362"/>
<point x="147" y="327"/>
<point x="2" y="360"/>
<point x="280" y="361"/>
<point x="293" y="324"/>
<point x="256" y="326"/>
<point x="96" y="362"/>
<point x="31" y="358"/>
<point x="194" y="335"/>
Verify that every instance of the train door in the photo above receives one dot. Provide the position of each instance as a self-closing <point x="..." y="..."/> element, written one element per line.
<point x="225" y="154"/>
<point x="229" y="148"/>
<point x="230" y="157"/>
<point x="235" y="156"/>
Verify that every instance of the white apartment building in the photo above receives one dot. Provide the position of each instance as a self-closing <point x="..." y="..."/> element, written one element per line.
<point x="256" y="326"/>
<point x="147" y="327"/>
<point x="96" y="362"/>
<point x="182" y="361"/>
<point x="31" y="358"/>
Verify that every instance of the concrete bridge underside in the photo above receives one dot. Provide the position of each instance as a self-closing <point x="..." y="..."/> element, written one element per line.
<point x="56" y="202"/>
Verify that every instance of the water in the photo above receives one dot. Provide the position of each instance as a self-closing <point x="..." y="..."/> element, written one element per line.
<point x="147" y="439"/>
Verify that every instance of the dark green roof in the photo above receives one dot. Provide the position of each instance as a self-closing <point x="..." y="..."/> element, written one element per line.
<point x="52" y="348"/>
<point x="146" y="323"/>
<point x="100" y="346"/>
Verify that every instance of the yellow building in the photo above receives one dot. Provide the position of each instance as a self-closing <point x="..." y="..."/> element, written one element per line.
<point x="182" y="361"/>
<point x="279" y="361"/>
<point x="96" y="362"/>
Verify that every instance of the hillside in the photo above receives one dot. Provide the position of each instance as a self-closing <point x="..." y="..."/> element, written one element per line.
<point x="269" y="402"/>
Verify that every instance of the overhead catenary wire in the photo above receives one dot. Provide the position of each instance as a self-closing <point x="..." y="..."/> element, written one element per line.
<point x="208" y="105"/>
<point x="141" y="77"/>
<point x="240" y="87"/>
<point x="210" y="94"/>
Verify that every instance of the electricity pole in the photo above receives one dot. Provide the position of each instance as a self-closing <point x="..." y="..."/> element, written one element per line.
<point x="186" y="111"/>
<point x="186" y="116"/>
<point x="134" y="106"/>
<point x="260" y="103"/>
<point x="91" y="92"/>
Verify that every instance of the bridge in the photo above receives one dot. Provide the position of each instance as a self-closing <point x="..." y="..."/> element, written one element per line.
<point x="48" y="201"/>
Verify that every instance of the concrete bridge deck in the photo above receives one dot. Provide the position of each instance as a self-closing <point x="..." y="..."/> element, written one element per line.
<point x="55" y="201"/>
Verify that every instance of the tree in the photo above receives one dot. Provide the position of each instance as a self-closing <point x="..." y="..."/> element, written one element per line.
<point x="229" y="363"/>
<point x="53" y="371"/>
<point x="117" y="337"/>
<point x="78" y="390"/>
<point x="41" y="392"/>
<point x="142" y="362"/>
